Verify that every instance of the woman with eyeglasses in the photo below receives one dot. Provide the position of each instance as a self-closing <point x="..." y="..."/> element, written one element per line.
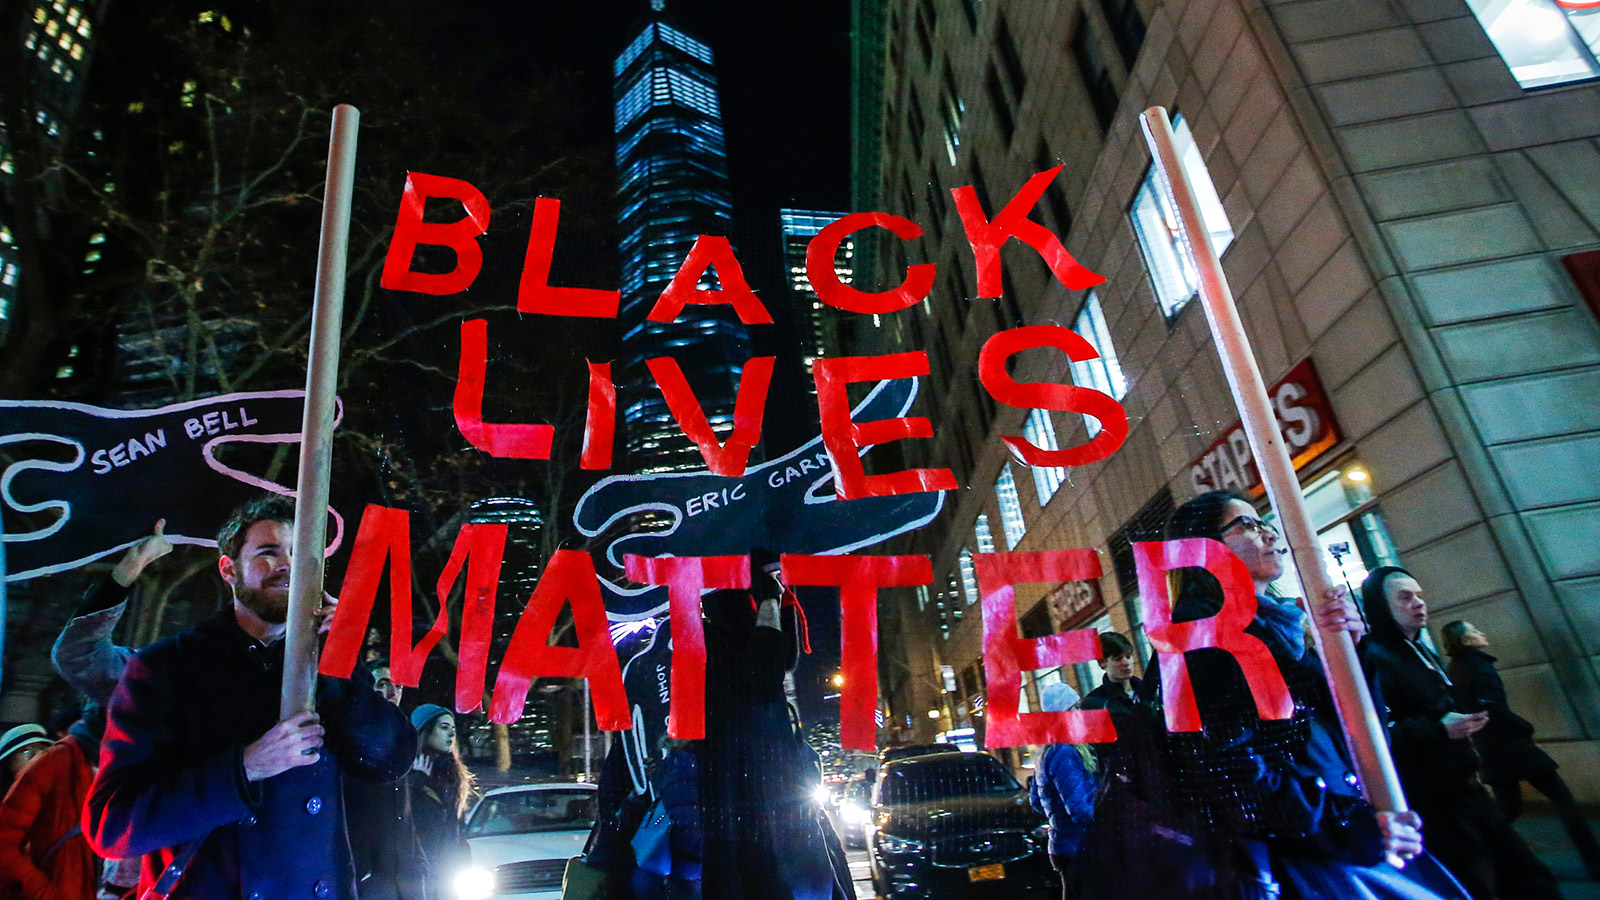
<point x="1274" y="807"/>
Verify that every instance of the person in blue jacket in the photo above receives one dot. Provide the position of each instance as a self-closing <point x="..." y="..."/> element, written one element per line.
<point x="1063" y="788"/>
<point x="200" y="777"/>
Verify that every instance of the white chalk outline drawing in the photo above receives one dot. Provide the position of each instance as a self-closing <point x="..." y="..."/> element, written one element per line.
<point x="207" y="452"/>
<point x="813" y="497"/>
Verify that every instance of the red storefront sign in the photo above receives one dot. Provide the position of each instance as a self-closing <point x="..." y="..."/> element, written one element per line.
<point x="1305" y="419"/>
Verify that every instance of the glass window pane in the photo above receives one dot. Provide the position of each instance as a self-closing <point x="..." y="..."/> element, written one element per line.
<point x="1039" y="431"/>
<point x="969" y="577"/>
<point x="1005" y="490"/>
<point x="1155" y="224"/>
<point x="1540" y="44"/>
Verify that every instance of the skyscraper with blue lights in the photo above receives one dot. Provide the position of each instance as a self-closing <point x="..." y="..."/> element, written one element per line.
<point x="672" y="185"/>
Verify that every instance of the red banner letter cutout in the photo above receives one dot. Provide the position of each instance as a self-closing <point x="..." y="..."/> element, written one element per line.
<point x="385" y="534"/>
<point x="534" y="293"/>
<point x="858" y="579"/>
<point x="822" y="249"/>
<point x="506" y="441"/>
<point x="685" y="578"/>
<point x="844" y="437"/>
<point x="986" y="237"/>
<point x="1006" y="655"/>
<point x="481" y="548"/>
<point x="708" y="251"/>
<point x="749" y="408"/>
<point x="1225" y="630"/>
<point x="1064" y="397"/>
<point x="569" y="577"/>
<point x="460" y="236"/>
<point x="600" y="422"/>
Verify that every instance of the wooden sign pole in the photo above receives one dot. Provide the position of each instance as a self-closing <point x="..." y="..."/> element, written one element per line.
<point x="1364" y="734"/>
<point x="316" y="430"/>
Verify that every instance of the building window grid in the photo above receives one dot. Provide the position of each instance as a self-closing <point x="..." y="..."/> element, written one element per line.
<point x="1095" y="73"/>
<point x="1542" y="42"/>
<point x="969" y="577"/>
<point x="980" y="530"/>
<point x="1127" y="28"/>
<point x="1003" y="115"/>
<point x="1105" y="373"/>
<point x="1041" y="432"/>
<point x="1155" y="224"/>
<point x="1011" y="521"/>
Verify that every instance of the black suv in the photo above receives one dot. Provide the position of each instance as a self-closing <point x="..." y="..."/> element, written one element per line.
<point x="951" y="825"/>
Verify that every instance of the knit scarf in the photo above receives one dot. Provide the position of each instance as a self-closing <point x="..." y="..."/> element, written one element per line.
<point x="1283" y="618"/>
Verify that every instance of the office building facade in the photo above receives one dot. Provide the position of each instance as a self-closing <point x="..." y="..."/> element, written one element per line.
<point x="1396" y="192"/>
<point x="672" y="185"/>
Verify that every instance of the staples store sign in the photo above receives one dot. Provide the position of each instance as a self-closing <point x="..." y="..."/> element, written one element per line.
<point x="1305" y="419"/>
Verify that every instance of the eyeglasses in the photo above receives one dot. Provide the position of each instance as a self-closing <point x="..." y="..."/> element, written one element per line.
<point x="1250" y="525"/>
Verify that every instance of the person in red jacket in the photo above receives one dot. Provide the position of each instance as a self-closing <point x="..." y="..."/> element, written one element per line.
<point x="43" y="855"/>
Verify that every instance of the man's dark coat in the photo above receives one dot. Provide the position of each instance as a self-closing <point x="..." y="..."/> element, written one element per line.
<point x="172" y="770"/>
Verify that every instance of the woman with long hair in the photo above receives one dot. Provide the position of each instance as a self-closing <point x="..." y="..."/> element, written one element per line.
<point x="442" y="790"/>
<point x="1274" y="805"/>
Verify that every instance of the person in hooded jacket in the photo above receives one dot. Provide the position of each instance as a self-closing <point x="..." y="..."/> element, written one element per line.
<point x="43" y="855"/>
<point x="1510" y="756"/>
<point x="764" y="833"/>
<point x="388" y="856"/>
<point x="1433" y="752"/>
<point x="1063" y="788"/>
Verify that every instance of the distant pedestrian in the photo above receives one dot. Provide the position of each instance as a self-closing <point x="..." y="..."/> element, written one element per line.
<point x="43" y="855"/>
<point x="383" y="833"/>
<point x="18" y="747"/>
<point x="442" y="789"/>
<point x="1510" y="756"/>
<point x="1431" y="739"/>
<point x="1063" y="788"/>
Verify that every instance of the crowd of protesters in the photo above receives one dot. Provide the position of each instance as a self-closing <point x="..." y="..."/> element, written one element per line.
<point x="1254" y="808"/>
<point x="180" y="778"/>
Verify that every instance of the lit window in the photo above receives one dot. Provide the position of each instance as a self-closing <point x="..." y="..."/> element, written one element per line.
<point x="1005" y="490"/>
<point x="52" y="28"/>
<point x="39" y="15"/>
<point x="207" y="16"/>
<point x="136" y="106"/>
<point x="922" y="597"/>
<point x="1103" y="374"/>
<point x="1042" y="434"/>
<point x="10" y="277"/>
<point x="83" y="28"/>
<point x="66" y="40"/>
<point x="72" y="17"/>
<point x="64" y="372"/>
<point x="1155" y="223"/>
<point x="1543" y="41"/>
<point x="984" y="535"/>
<point x="77" y="50"/>
<point x="969" y="577"/>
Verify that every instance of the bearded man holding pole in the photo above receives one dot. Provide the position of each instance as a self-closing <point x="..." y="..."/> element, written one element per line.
<point x="224" y="755"/>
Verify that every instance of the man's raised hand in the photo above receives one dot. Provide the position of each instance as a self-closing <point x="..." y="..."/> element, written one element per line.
<point x="290" y="743"/>
<point x="144" y="551"/>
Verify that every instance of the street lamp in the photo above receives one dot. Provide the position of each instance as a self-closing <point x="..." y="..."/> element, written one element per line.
<point x="838" y="679"/>
<point x="933" y="714"/>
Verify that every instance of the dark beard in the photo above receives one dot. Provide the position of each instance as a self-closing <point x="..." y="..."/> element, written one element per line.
<point x="272" y="607"/>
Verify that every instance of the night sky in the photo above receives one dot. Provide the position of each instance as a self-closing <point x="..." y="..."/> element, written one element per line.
<point x="783" y="71"/>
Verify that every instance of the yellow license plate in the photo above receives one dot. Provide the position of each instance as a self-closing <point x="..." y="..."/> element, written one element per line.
<point x="987" y="873"/>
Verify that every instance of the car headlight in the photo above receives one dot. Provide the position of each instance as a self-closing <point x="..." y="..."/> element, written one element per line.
<point x="889" y="843"/>
<point x="821" y="795"/>
<point x="854" y="814"/>
<point x="474" y="884"/>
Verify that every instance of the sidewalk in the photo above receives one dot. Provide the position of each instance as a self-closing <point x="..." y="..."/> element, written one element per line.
<point x="1540" y="827"/>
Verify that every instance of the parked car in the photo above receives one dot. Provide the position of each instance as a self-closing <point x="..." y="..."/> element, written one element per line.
<point x="956" y="825"/>
<point x="521" y="838"/>
<point x="906" y="751"/>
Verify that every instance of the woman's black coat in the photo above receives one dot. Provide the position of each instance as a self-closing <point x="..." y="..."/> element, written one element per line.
<point x="1506" y="743"/>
